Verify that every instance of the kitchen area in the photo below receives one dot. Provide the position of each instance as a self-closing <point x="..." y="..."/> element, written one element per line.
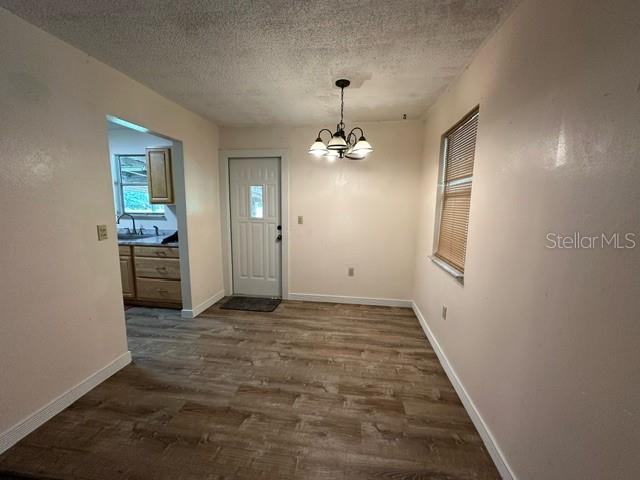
<point x="146" y="216"/>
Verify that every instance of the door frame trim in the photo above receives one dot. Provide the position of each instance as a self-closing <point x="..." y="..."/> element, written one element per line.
<point x="225" y="212"/>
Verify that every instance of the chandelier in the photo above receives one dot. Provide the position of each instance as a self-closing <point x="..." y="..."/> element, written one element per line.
<point x="341" y="145"/>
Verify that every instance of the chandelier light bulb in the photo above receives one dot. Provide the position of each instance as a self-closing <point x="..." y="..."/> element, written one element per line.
<point x="318" y="148"/>
<point x="362" y="147"/>
<point x="353" y="155"/>
<point x="331" y="155"/>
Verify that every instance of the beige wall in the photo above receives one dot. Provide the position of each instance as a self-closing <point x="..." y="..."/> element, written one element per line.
<point x="546" y="342"/>
<point x="61" y="304"/>
<point x="357" y="214"/>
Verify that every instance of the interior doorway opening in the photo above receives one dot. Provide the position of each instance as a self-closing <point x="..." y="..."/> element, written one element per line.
<point x="149" y="216"/>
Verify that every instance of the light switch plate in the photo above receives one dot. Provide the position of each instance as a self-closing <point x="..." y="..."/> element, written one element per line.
<point x="300" y="219"/>
<point x="102" y="232"/>
<point x="351" y="271"/>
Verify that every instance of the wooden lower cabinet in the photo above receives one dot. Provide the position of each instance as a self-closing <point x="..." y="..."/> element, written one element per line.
<point x="127" y="278"/>
<point x="151" y="276"/>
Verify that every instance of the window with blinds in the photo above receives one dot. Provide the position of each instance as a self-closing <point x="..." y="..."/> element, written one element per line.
<point x="458" y="152"/>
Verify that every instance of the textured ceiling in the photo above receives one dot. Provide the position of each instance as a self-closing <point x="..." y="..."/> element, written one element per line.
<point x="250" y="62"/>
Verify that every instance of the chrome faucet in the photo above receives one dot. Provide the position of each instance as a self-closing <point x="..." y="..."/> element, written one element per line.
<point x="133" y="220"/>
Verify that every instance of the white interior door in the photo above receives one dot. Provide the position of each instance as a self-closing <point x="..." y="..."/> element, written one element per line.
<point x="254" y="195"/>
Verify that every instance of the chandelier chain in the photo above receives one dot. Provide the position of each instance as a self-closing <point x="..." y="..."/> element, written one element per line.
<point x="342" y="106"/>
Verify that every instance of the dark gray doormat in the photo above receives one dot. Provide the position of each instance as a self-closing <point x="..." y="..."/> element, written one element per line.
<point x="252" y="304"/>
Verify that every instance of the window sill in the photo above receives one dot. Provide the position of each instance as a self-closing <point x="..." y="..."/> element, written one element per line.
<point x="454" y="272"/>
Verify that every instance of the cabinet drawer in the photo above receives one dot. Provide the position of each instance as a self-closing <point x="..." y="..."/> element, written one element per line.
<point x="158" y="267"/>
<point x="161" y="290"/>
<point x="124" y="250"/>
<point x="159" y="252"/>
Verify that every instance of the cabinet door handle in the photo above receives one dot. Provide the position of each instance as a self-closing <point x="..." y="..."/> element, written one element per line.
<point x="161" y="269"/>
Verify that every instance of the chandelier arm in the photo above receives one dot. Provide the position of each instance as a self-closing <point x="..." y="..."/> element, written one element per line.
<point x="355" y="138"/>
<point x="325" y="130"/>
<point x="357" y="128"/>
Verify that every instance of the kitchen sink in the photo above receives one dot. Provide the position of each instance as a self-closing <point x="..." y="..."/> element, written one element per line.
<point x="132" y="236"/>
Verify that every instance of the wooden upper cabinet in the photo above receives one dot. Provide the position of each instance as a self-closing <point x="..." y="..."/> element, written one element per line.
<point x="160" y="175"/>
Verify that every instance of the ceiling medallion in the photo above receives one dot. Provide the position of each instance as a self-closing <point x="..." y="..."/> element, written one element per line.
<point x="340" y="145"/>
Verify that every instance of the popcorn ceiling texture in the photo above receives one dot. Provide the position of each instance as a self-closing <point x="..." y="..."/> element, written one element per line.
<point x="247" y="62"/>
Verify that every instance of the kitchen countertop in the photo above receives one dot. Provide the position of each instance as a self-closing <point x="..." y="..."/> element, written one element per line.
<point x="155" y="241"/>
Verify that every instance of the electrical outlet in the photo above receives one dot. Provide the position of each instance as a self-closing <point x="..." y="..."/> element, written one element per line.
<point x="351" y="272"/>
<point x="444" y="312"/>
<point x="300" y="219"/>
<point x="102" y="232"/>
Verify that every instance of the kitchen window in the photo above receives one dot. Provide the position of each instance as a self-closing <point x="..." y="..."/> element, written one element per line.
<point x="133" y="190"/>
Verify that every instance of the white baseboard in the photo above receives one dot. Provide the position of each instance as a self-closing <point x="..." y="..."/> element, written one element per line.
<point x="489" y="441"/>
<point x="386" y="302"/>
<point x="16" y="433"/>
<point x="198" y="309"/>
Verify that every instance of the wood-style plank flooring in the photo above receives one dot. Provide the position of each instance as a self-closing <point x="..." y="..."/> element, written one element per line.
<point x="310" y="391"/>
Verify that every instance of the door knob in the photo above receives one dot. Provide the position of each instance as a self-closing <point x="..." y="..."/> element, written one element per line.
<point x="279" y="238"/>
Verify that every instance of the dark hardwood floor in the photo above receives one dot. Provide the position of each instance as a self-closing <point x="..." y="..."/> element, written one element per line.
<point x="310" y="391"/>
